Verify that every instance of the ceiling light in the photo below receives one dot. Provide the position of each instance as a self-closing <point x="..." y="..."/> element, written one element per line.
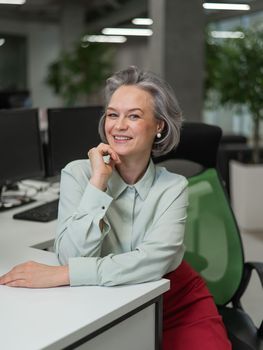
<point x="142" y="21"/>
<point x="227" y="34"/>
<point x="127" y="31"/>
<point x="104" y="39"/>
<point x="2" y="41"/>
<point x="221" y="6"/>
<point x="12" y="2"/>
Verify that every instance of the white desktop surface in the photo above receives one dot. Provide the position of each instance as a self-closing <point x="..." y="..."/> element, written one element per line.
<point x="28" y="233"/>
<point x="53" y="318"/>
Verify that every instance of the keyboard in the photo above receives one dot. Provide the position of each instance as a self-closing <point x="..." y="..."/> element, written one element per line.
<point x="42" y="213"/>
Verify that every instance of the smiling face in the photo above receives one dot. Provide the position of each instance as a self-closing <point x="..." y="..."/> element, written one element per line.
<point x="130" y="125"/>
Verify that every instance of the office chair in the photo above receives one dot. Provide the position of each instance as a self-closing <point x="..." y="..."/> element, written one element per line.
<point x="212" y="238"/>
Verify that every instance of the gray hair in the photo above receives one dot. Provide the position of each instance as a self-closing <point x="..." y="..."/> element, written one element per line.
<point x="166" y="107"/>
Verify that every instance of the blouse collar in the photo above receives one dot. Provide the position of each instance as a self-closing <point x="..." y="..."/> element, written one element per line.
<point x="116" y="185"/>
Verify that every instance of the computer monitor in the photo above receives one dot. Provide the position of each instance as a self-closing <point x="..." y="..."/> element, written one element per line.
<point x="71" y="133"/>
<point x="21" y="152"/>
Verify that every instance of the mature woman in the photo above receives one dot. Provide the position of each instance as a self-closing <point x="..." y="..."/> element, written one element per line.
<point x="121" y="218"/>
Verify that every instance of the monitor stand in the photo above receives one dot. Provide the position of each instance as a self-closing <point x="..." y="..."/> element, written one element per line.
<point x="13" y="201"/>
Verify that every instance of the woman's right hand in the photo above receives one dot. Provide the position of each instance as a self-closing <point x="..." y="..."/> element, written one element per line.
<point x="102" y="171"/>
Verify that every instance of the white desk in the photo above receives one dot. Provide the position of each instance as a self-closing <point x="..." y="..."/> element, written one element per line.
<point x="94" y="318"/>
<point x="28" y="233"/>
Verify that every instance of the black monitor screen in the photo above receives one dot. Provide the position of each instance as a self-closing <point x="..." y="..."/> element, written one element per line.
<point x="21" y="153"/>
<point x="71" y="133"/>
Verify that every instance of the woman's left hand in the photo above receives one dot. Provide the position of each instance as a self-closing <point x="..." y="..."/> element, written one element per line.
<point x="35" y="275"/>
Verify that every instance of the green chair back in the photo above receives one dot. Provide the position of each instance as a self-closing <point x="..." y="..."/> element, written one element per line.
<point x="212" y="239"/>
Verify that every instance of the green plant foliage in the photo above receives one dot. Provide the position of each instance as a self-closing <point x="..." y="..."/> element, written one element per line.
<point x="234" y="70"/>
<point x="81" y="71"/>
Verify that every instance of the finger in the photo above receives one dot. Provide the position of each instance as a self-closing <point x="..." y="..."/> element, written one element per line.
<point x="4" y="278"/>
<point x="109" y="151"/>
<point x="11" y="276"/>
<point x="117" y="160"/>
<point x="103" y="148"/>
<point x="90" y="152"/>
<point x="17" y="283"/>
<point x="100" y="151"/>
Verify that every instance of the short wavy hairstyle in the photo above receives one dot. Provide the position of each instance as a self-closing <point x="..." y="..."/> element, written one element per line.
<point x="166" y="107"/>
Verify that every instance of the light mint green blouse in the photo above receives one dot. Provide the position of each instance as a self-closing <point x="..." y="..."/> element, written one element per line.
<point x="142" y="237"/>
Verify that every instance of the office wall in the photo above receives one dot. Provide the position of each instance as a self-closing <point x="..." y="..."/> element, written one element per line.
<point x="44" y="43"/>
<point x="43" y="46"/>
<point x="133" y="52"/>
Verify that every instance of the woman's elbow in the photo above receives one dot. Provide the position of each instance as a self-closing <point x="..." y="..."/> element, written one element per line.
<point x="60" y="252"/>
<point x="62" y="258"/>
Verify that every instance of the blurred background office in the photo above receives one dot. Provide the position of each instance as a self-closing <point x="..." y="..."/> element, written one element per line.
<point x="57" y="53"/>
<point x="34" y="35"/>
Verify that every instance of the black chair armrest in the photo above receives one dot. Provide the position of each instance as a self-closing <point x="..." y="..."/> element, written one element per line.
<point x="258" y="267"/>
<point x="248" y="268"/>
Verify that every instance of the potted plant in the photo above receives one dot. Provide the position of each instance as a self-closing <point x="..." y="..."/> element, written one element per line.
<point x="235" y="77"/>
<point x="80" y="72"/>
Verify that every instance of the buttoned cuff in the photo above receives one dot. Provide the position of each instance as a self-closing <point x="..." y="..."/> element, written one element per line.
<point x="93" y="201"/>
<point x="83" y="271"/>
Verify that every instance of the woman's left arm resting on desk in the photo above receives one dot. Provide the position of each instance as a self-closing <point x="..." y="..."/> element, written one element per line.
<point x="159" y="252"/>
<point x="35" y="275"/>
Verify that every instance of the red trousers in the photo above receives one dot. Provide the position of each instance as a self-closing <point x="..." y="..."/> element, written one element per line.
<point x="190" y="317"/>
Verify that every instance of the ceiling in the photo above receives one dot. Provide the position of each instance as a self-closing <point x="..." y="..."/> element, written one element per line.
<point x="50" y="10"/>
<point x="99" y="13"/>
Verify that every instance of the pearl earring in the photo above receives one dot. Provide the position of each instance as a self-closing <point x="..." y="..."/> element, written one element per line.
<point x="159" y="135"/>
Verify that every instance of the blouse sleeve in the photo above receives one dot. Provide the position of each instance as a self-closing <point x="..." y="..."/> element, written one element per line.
<point x="81" y="208"/>
<point x="160" y="251"/>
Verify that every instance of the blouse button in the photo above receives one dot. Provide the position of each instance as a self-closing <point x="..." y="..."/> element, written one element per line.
<point x="103" y="207"/>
